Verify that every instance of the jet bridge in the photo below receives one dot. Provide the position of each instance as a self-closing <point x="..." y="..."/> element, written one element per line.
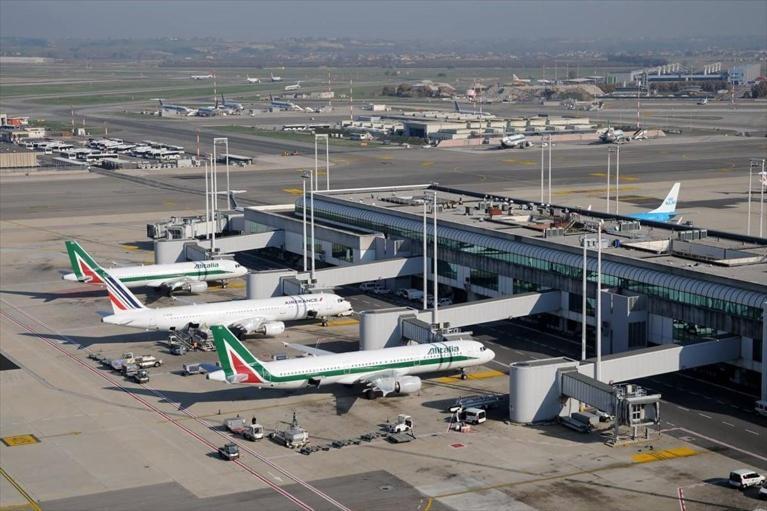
<point x="538" y="391"/>
<point x="387" y="327"/>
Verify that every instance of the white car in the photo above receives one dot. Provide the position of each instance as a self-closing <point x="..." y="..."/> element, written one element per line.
<point x="745" y="478"/>
<point x="441" y="302"/>
<point x="763" y="493"/>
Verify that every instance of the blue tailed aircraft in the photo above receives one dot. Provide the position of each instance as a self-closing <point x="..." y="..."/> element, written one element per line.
<point x="665" y="212"/>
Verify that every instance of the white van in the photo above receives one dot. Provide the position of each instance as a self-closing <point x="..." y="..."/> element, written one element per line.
<point x="411" y="294"/>
<point x="745" y="478"/>
<point x="761" y="408"/>
<point x="474" y="415"/>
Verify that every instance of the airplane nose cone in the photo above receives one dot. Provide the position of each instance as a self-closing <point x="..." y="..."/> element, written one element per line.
<point x="489" y="354"/>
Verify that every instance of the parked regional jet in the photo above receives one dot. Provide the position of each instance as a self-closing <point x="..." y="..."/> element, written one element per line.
<point x="179" y="109"/>
<point x="295" y="86"/>
<point x="384" y="371"/>
<point x="459" y="110"/>
<point x="231" y="105"/>
<point x="612" y="136"/>
<point x="666" y="211"/>
<point x="275" y="78"/>
<point x="515" y="142"/>
<point x="266" y="316"/>
<point x="252" y="80"/>
<point x="192" y="276"/>
<point x="203" y="77"/>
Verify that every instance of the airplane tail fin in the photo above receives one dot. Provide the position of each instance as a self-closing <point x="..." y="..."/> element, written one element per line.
<point x="119" y="295"/>
<point x="669" y="204"/>
<point x="85" y="268"/>
<point x="238" y="363"/>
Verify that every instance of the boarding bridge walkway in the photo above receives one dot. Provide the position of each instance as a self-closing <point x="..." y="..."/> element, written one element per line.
<point x="265" y="284"/>
<point x="173" y="251"/>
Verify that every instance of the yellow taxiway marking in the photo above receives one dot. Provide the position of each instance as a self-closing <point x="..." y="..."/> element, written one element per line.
<point x="22" y="491"/>
<point x="129" y="246"/>
<point x="629" y="178"/>
<point x="170" y="203"/>
<point x="292" y="191"/>
<point x="598" y="174"/>
<point x="343" y="322"/>
<point x="427" y="164"/>
<point x="668" y="454"/>
<point x="520" y="162"/>
<point x="385" y="157"/>
<point x="428" y="504"/>
<point x="479" y="375"/>
<point x="13" y="441"/>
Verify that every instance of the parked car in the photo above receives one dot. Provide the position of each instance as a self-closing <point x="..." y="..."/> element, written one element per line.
<point x="763" y="492"/>
<point x="410" y="294"/>
<point x="745" y="478"/>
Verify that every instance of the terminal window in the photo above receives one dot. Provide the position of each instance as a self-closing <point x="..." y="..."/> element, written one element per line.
<point x="343" y="252"/>
<point x="486" y="279"/>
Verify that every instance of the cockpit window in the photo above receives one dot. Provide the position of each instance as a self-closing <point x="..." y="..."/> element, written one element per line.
<point x="340" y="300"/>
<point x="482" y="348"/>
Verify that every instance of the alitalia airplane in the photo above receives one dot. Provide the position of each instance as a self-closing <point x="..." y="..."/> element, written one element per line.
<point x="385" y="371"/>
<point x="266" y="316"/>
<point x="192" y="276"/>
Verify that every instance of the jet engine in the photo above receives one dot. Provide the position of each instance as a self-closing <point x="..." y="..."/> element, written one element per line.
<point x="196" y="286"/>
<point x="407" y="384"/>
<point x="272" y="328"/>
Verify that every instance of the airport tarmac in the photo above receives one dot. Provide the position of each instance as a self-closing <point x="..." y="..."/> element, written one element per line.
<point x="101" y="441"/>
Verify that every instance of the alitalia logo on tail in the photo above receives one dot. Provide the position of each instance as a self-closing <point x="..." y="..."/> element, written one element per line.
<point x="83" y="265"/>
<point x="239" y="364"/>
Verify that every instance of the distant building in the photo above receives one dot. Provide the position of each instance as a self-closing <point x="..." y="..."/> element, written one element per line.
<point x="745" y="73"/>
<point x="14" y="157"/>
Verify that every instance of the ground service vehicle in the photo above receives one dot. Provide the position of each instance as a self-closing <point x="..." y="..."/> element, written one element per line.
<point x="293" y="437"/>
<point x="404" y="424"/>
<point x="229" y="452"/>
<point x="745" y="478"/>
<point x="237" y="425"/>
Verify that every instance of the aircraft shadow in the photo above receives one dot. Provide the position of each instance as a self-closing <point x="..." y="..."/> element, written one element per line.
<point x="71" y="295"/>
<point x="84" y="341"/>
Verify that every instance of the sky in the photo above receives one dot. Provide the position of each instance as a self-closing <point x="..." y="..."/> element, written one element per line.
<point x="433" y="20"/>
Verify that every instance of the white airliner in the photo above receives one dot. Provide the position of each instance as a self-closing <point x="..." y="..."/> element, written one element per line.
<point x="518" y="141"/>
<point x="265" y="316"/>
<point x="275" y="78"/>
<point x="252" y="80"/>
<point x="192" y="276"/>
<point x="384" y="371"/>
<point x="295" y="86"/>
<point x="203" y="77"/>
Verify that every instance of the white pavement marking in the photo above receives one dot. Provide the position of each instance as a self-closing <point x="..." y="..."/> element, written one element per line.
<point x="731" y="425"/>
<point x="704" y="415"/>
<point x="752" y="432"/>
<point x="682" y="408"/>
<point x="704" y="437"/>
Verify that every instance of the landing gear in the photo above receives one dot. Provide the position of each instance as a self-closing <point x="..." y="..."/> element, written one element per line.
<point x="464" y="376"/>
<point x="324" y="321"/>
<point x="370" y="394"/>
<point x="224" y="284"/>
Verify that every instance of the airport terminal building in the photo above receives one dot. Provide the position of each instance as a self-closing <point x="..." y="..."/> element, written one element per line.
<point x="661" y="283"/>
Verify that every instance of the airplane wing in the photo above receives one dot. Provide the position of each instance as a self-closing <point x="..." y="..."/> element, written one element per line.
<point x="315" y="352"/>
<point x="383" y="381"/>
<point x="172" y="284"/>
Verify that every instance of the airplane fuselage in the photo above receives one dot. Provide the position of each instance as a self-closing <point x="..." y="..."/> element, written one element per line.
<point x="350" y="368"/>
<point x="157" y="274"/>
<point x="234" y="312"/>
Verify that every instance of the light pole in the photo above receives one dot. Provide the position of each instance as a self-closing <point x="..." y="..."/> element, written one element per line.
<point x="609" y="154"/>
<point x="225" y="141"/>
<point x="306" y="175"/>
<point x="207" y="200"/>
<point x="598" y="371"/>
<point x="213" y="204"/>
<point x="435" y="317"/>
<point x="549" y="169"/>
<point x="425" y="259"/>
<point x="762" y="182"/>
<point x="542" y="156"/>
<point x="617" y="177"/>
<point x="583" y="301"/>
<point x="311" y="203"/>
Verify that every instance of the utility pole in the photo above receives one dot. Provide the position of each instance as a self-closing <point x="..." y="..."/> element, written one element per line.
<point x="756" y="166"/>
<point x="213" y="204"/>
